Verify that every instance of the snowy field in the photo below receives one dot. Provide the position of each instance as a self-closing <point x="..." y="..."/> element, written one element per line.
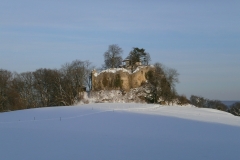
<point x="119" y="132"/>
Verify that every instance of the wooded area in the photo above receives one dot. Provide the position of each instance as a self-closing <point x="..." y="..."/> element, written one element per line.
<point x="44" y="87"/>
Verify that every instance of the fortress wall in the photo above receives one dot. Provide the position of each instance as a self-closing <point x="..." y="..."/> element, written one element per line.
<point x="121" y="80"/>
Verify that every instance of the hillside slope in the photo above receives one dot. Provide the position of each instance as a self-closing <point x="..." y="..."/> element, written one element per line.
<point x="119" y="131"/>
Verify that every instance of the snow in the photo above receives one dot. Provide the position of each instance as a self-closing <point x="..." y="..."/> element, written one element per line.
<point x="112" y="70"/>
<point x="140" y="67"/>
<point x="95" y="74"/>
<point x="119" y="131"/>
<point x="117" y="96"/>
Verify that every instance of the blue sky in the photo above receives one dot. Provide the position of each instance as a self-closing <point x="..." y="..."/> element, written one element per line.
<point x="201" y="39"/>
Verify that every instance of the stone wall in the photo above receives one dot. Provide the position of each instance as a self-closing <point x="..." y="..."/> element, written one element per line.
<point x="119" y="79"/>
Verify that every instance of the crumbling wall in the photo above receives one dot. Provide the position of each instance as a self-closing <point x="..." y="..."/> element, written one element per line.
<point x="119" y="79"/>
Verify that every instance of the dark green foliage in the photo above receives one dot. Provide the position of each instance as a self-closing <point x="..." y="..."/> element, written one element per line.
<point x="138" y="55"/>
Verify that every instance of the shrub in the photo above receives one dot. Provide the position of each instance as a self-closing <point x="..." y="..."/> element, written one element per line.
<point x="182" y="100"/>
<point x="235" y="109"/>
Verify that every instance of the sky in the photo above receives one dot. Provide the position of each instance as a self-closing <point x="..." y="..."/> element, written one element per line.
<point x="200" y="39"/>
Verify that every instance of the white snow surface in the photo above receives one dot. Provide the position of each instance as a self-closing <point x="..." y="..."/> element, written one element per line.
<point x="117" y="96"/>
<point x="112" y="70"/>
<point x="118" y="131"/>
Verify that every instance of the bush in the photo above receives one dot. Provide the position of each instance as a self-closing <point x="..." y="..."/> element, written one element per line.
<point x="182" y="100"/>
<point x="235" y="109"/>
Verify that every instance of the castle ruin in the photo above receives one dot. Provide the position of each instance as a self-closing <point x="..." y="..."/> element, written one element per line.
<point x="119" y="78"/>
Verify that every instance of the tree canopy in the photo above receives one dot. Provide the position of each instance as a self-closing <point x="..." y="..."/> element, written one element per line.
<point x="113" y="56"/>
<point x="44" y="87"/>
<point x="138" y="55"/>
<point x="163" y="82"/>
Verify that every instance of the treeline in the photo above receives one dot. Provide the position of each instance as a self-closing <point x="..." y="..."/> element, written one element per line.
<point x="44" y="87"/>
<point x="202" y="102"/>
<point x="63" y="87"/>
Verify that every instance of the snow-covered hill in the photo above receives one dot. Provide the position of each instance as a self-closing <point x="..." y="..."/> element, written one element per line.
<point x="119" y="131"/>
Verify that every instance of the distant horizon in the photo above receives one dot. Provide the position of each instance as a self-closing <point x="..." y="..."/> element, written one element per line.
<point x="229" y="103"/>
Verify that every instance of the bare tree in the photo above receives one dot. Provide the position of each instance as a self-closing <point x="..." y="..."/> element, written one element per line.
<point x="146" y="59"/>
<point x="5" y="79"/>
<point x="27" y="92"/>
<point x="87" y="70"/>
<point x="15" y="100"/>
<point x="113" y="56"/>
<point x="76" y="76"/>
<point x="171" y="76"/>
<point x="44" y="86"/>
<point x="72" y="81"/>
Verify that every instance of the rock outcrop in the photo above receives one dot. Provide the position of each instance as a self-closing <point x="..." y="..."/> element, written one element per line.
<point x="119" y="78"/>
<point x="134" y="95"/>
